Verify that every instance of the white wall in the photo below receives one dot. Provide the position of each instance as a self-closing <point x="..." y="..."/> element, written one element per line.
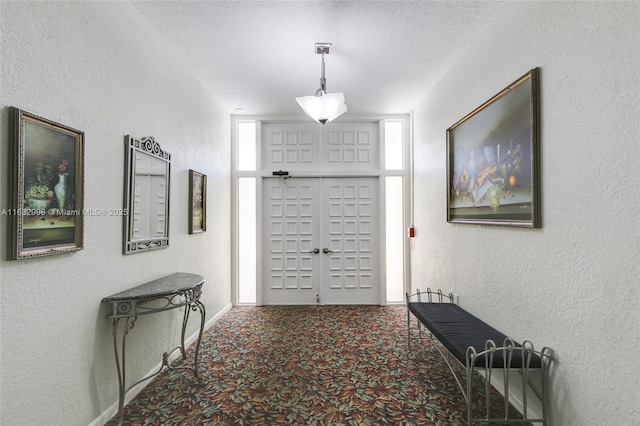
<point x="572" y="285"/>
<point x="97" y="67"/>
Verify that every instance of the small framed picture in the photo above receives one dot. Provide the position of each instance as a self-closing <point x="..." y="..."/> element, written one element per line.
<point x="197" y="202"/>
<point x="48" y="187"/>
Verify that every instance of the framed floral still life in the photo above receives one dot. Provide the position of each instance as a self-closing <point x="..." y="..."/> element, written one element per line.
<point x="48" y="187"/>
<point x="492" y="160"/>
<point x="197" y="202"/>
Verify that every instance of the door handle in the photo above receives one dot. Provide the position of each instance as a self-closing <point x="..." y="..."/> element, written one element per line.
<point x="314" y="251"/>
<point x="326" y="251"/>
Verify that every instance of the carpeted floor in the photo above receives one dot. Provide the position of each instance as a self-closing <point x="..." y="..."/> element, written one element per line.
<point x="306" y="365"/>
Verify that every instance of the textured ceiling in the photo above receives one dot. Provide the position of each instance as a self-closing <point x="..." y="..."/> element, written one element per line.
<point x="259" y="55"/>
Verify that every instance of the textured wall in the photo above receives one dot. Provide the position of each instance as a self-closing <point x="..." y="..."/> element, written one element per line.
<point x="572" y="285"/>
<point x="97" y="67"/>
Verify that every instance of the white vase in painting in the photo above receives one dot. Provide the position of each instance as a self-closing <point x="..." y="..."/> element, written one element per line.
<point x="61" y="189"/>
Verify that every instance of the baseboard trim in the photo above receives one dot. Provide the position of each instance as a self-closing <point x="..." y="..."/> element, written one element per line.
<point x="534" y="404"/>
<point x="108" y="414"/>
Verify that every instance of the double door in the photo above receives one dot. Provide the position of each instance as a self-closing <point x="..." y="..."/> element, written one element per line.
<point x="320" y="223"/>
<point x="321" y="240"/>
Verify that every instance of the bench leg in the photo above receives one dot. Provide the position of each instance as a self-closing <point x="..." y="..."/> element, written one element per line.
<point x="408" y="328"/>
<point x="419" y="325"/>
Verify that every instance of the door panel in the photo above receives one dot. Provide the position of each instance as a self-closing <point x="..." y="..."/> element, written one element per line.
<point x="351" y="262"/>
<point x="290" y="146"/>
<point x="149" y="206"/>
<point x="305" y="146"/>
<point x="291" y="231"/>
<point x="350" y="146"/>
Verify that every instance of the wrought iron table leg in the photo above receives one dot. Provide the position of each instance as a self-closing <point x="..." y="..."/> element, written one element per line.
<point x="120" y="360"/>
<point x="185" y="320"/>
<point x="197" y="305"/>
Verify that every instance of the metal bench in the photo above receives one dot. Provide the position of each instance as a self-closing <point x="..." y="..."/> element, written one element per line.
<point x="471" y="342"/>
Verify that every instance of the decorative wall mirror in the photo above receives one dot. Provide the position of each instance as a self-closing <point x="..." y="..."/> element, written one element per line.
<point x="146" y="196"/>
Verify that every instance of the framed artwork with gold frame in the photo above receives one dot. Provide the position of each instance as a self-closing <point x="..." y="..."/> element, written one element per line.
<point x="197" y="202"/>
<point x="48" y="187"/>
<point x="493" y="175"/>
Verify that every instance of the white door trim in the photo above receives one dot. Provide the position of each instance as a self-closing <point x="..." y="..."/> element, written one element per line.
<point x="260" y="121"/>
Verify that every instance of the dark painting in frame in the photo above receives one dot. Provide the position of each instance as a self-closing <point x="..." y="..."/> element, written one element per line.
<point x="197" y="202"/>
<point x="493" y="159"/>
<point x="48" y="187"/>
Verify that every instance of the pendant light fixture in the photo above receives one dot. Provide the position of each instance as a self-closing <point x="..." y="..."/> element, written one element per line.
<point x="323" y="107"/>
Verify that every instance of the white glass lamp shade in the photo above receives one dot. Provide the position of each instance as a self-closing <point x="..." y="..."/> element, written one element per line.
<point x="323" y="108"/>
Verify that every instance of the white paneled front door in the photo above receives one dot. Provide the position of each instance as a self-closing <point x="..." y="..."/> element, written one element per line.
<point x="321" y="243"/>
<point x="320" y="222"/>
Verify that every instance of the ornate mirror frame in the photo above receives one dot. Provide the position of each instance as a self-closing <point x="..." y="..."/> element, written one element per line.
<point x="147" y="166"/>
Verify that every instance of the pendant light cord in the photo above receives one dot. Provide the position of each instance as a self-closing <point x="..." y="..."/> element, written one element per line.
<point x="323" y="80"/>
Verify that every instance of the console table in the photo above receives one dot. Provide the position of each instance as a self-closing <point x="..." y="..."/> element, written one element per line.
<point x="170" y="292"/>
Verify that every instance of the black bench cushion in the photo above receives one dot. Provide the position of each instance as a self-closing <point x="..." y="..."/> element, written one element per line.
<point x="457" y="329"/>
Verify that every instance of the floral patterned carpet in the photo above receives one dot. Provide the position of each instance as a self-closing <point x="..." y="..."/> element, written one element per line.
<point x="306" y="365"/>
